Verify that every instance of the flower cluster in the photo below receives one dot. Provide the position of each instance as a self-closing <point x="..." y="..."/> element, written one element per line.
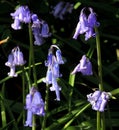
<point x="85" y="66"/>
<point x="98" y="100"/>
<point x="40" y="28"/>
<point x="34" y="105"/>
<point x="61" y="9"/>
<point x="21" y="15"/>
<point x="53" y="61"/>
<point x="86" y="24"/>
<point x="15" y="58"/>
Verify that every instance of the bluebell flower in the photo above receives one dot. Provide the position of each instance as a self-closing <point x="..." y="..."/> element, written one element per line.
<point x="92" y="19"/>
<point x="55" y="87"/>
<point x="10" y="61"/>
<point x="48" y="78"/>
<point x="49" y="59"/>
<point x="28" y="121"/>
<point x="18" y="57"/>
<point x="82" y="25"/>
<point x="34" y="105"/>
<point x="98" y="100"/>
<point x="40" y="30"/>
<point x="15" y="58"/>
<point x="21" y="15"/>
<point x="59" y="57"/>
<point x="53" y="62"/>
<point x="35" y="19"/>
<point x="85" y="67"/>
<point x="12" y="72"/>
<point x="45" y="30"/>
<point x="16" y="25"/>
<point x="86" y="24"/>
<point x="61" y="9"/>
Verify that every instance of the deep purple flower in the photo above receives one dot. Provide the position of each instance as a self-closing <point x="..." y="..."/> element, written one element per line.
<point x="98" y="100"/>
<point x="85" y="66"/>
<point x="86" y="24"/>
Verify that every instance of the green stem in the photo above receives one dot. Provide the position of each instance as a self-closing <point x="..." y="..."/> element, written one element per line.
<point x="99" y="60"/>
<point x="31" y="56"/>
<point x="9" y="112"/>
<point x="32" y="61"/>
<point x="3" y="113"/>
<point x="23" y="91"/>
<point x="46" y="107"/>
<point x="71" y="82"/>
<point x="100" y="119"/>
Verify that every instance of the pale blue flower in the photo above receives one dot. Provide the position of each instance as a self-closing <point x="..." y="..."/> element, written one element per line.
<point x="49" y="59"/>
<point x="18" y="57"/>
<point x="98" y="100"/>
<point x="55" y="87"/>
<point x="53" y="62"/>
<point x="15" y="58"/>
<point x="34" y="105"/>
<point x="85" y="67"/>
<point x="12" y="72"/>
<point x="28" y="121"/>
<point x="40" y="30"/>
<point x="21" y="15"/>
<point x="37" y="105"/>
<point x="86" y="24"/>
<point x="48" y="78"/>
<point x="10" y="61"/>
<point x="82" y="25"/>
<point x="45" y="30"/>
<point x="16" y="25"/>
<point x="59" y="57"/>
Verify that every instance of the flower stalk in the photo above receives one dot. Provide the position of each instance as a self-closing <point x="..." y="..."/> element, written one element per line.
<point x="31" y="61"/>
<point x="46" y="108"/>
<point x="100" y="116"/>
<point x="31" y="56"/>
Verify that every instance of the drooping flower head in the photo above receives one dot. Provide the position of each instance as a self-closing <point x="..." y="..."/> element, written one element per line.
<point x="61" y="9"/>
<point x="53" y="62"/>
<point x="21" y="15"/>
<point x="98" y="100"/>
<point x="85" y="66"/>
<point x="40" y="30"/>
<point x="34" y="105"/>
<point x="15" y="58"/>
<point x="86" y="24"/>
